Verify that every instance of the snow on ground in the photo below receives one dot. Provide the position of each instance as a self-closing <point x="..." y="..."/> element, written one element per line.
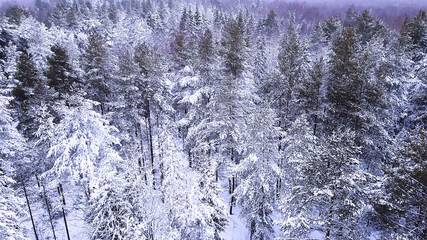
<point x="76" y="225"/>
<point x="236" y="228"/>
<point x="317" y="235"/>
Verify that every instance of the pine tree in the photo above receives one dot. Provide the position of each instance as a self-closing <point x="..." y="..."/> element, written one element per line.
<point x="210" y="197"/>
<point x="128" y="110"/>
<point x="24" y="93"/>
<point x="155" y="95"/>
<point x="373" y="117"/>
<point x="260" y="70"/>
<point x="403" y="208"/>
<point x="189" y="215"/>
<point x="332" y="28"/>
<point x="58" y="16"/>
<point x="16" y="14"/>
<point x="343" y="84"/>
<point x="233" y="97"/>
<point x="303" y="181"/>
<point x="60" y="74"/>
<point x="113" y="209"/>
<point x="98" y="70"/>
<point x="350" y="18"/>
<point x="259" y="171"/>
<point x="271" y="23"/>
<point x="417" y="29"/>
<point x="181" y="51"/>
<point x="310" y="94"/>
<point x="80" y="143"/>
<point x="11" y="142"/>
<point x="344" y="187"/>
<point x="293" y="65"/>
<point x="365" y="27"/>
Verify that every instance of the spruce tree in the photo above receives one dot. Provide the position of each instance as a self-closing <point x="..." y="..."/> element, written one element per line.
<point x="259" y="171"/>
<point x="98" y="70"/>
<point x="11" y="143"/>
<point x="343" y="84"/>
<point x="405" y="186"/>
<point x="60" y="73"/>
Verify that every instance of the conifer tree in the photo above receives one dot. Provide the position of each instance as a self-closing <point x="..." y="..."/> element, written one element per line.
<point x="98" y="70"/>
<point x="259" y="171"/>
<point x="405" y="185"/>
<point x="60" y="73"/>
<point x="310" y="93"/>
<point x="293" y="65"/>
<point x="303" y="180"/>
<point x="24" y="93"/>
<point x="365" y="27"/>
<point x="11" y="142"/>
<point x="343" y="83"/>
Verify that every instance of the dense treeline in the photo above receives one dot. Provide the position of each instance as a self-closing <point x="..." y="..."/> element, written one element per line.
<point x="153" y="119"/>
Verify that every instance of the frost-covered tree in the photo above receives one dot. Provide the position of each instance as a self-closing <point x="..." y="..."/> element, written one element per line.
<point x="80" y="143"/>
<point x="403" y="206"/>
<point x="113" y="211"/>
<point x="365" y="27"/>
<point x="293" y="66"/>
<point x="188" y="214"/>
<point x="345" y="197"/>
<point x="11" y="142"/>
<point x="60" y="73"/>
<point x="25" y="92"/>
<point x="233" y="98"/>
<point x="259" y="171"/>
<point x="98" y="70"/>
<point x="310" y="93"/>
<point x="343" y="85"/>
<point x="303" y="196"/>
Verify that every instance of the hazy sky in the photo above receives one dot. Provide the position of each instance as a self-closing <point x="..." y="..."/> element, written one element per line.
<point x="23" y="2"/>
<point x="362" y="2"/>
<point x="338" y="2"/>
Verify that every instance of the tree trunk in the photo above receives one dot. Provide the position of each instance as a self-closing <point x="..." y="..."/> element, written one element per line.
<point x="62" y="199"/>
<point x="233" y="185"/>
<point x="29" y="209"/>
<point x="150" y="134"/>
<point x="102" y="108"/>
<point x="330" y="215"/>
<point x="48" y="211"/>
<point x="142" y="152"/>
<point x="141" y="164"/>
<point x="190" y="163"/>
<point x="232" y="198"/>
<point x="315" y="125"/>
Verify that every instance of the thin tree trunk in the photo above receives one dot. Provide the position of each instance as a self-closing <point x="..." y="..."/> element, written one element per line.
<point x="29" y="209"/>
<point x="233" y="185"/>
<point x="232" y="198"/>
<point x="330" y="215"/>
<point x="150" y="133"/>
<point x="102" y="108"/>
<point x="161" y="153"/>
<point x="141" y="164"/>
<point x="141" y="144"/>
<point x="315" y="125"/>
<point x="48" y="211"/>
<point x="62" y="199"/>
<point x="281" y="121"/>
<point x="190" y="162"/>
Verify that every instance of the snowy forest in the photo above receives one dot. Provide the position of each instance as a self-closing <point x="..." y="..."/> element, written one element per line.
<point x="210" y="119"/>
